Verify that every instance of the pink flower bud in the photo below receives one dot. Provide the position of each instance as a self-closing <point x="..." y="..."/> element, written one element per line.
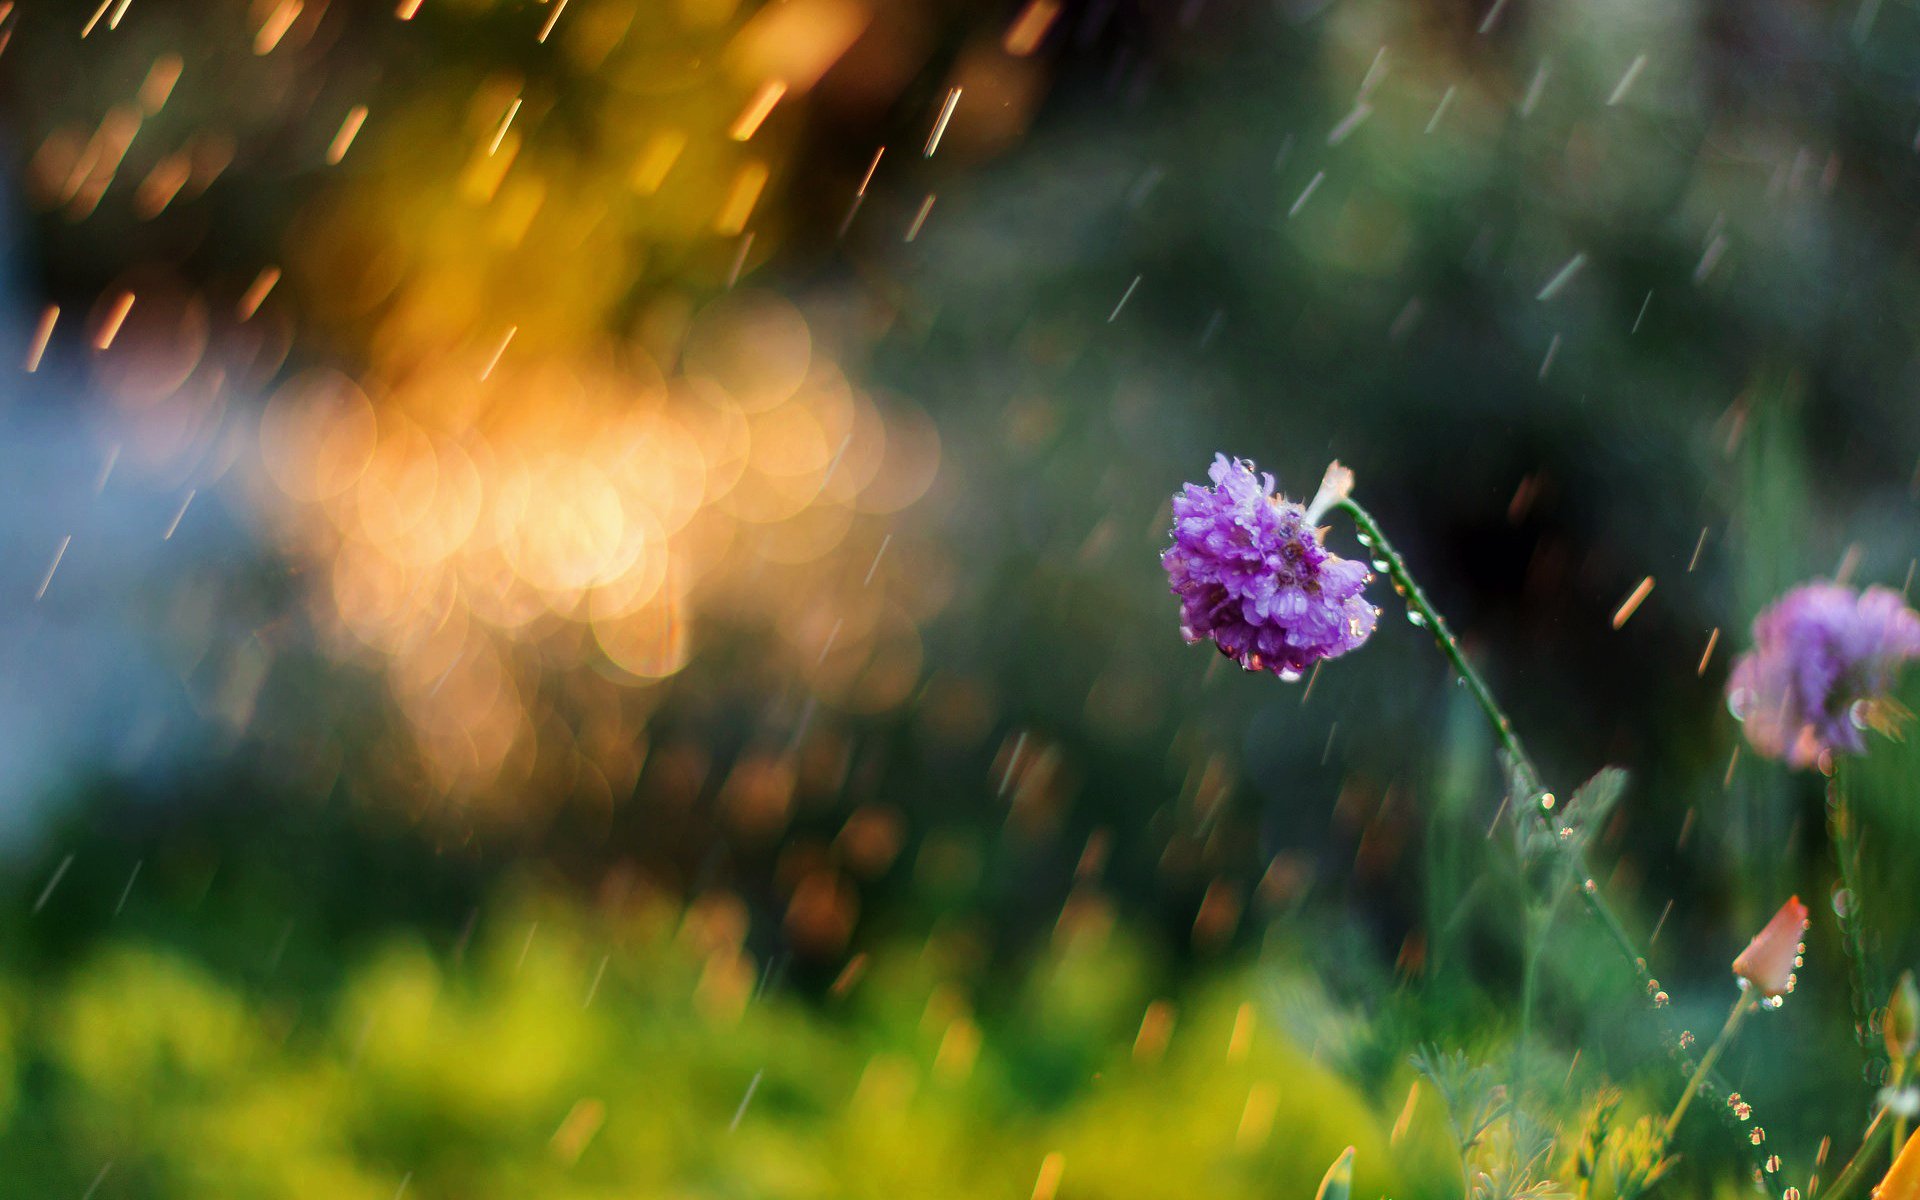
<point x="1769" y="959"/>
<point x="1336" y="485"/>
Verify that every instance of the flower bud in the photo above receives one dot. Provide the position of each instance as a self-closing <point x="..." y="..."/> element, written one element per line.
<point x="1336" y="485"/>
<point x="1902" y="1022"/>
<point x="1769" y="960"/>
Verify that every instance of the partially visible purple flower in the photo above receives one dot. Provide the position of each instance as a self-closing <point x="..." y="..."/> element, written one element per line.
<point x="1252" y="574"/>
<point x="1824" y="658"/>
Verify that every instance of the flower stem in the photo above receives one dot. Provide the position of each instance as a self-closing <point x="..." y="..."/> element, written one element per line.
<point x="1856" y="1168"/>
<point x="1527" y="776"/>
<point x="1538" y="799"/>
<point x="1894" y="1085"/>
<point x="1376" y="542"/>
<point x="1741" y="1008"/>
<point x="1845" y="835"/>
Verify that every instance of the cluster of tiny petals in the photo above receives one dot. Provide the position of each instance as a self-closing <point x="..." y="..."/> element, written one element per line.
<point x="1824" y="658"/>
<point x="1253" y="576"/>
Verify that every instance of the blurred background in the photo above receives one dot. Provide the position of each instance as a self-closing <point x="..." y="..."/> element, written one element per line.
<point x="580" y="607"/>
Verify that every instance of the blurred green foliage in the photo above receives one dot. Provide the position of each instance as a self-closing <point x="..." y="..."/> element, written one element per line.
<point x="561" y="1053"/>
<point x="1716" y="393"/>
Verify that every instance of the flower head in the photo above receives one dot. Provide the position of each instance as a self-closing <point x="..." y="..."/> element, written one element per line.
<point x="1252" y="575"/>
<point x="1824" y="656"/>
<point x="1769" y="960"/>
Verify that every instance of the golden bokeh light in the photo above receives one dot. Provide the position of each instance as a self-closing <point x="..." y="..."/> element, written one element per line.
<point x="484" y="538"/>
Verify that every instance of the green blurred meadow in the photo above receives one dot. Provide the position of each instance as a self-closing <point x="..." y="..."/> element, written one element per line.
<point x="582" y="617"/>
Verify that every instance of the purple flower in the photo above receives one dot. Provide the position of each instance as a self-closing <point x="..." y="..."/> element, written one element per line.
<point x="1824" y="657"/>
<point x="1252" y="575"/>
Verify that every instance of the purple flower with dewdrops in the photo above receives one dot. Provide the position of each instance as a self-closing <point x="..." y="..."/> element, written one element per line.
<point x="1824" y="658"/>
<point x="1253" y="576"/>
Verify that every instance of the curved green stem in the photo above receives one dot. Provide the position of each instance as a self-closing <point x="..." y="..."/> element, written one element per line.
<point x="1538" y="799"/>
<point x="1527" y="776"/>
<point x="1376" y="541"/>
<point x="1856" y="1168"/>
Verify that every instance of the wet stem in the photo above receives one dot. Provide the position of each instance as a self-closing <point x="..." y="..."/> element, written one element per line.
<point x="1846" y="852"/>
<point x="1856" y="1168"/>
<point x="1844" y="830"/>
<point x="1894" y="1084"/>
<point x="1527" y="777"/>
<point x="1741" y="1008"/>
